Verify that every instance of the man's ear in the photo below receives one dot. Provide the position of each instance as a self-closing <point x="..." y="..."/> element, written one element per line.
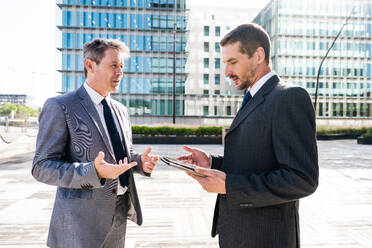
<point x="260" y="53"/>
<point x="89" y="65"/>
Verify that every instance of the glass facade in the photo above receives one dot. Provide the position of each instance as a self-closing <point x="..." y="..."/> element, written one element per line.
<point x="302" y="31"/>
<point x="146" y="27"/>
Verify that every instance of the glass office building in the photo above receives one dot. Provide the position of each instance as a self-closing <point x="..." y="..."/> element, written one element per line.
<point x="147" y="28"/>
<point x="301" y="32"/>
<point x="218" y="96"/>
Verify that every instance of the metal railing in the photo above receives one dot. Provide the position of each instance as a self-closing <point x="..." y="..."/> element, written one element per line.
<point x="12" y="129"/>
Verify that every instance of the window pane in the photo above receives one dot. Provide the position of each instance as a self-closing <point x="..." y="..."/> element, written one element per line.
<point x="205" y="110"/>
<point x="217" y="31"/>
<point x="217" y="79"/>
<point x="206" y="46"/>
<point x="206" y="31"/>
<point x="206" y="63"/>
<point x="217" y="63"/>
<point x="206" y="79"/>
<point x="217" y="47"/>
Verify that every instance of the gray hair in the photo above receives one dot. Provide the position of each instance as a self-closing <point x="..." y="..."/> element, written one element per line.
<point x="95" y="50"/>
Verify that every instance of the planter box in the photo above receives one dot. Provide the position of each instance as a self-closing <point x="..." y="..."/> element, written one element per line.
<point x="336" y="136"/>
<point x="177" y="139"/>
<point x="364" y="141"/>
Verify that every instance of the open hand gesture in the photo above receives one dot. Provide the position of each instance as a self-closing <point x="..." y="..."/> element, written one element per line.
<point x="111" y="171"/>
<point x="148" y="161"/>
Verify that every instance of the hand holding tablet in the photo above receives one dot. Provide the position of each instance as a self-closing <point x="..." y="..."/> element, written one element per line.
<point x="180" y="165"/>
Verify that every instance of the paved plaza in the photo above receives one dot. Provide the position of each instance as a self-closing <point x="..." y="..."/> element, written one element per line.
<point x="178" y="213"/>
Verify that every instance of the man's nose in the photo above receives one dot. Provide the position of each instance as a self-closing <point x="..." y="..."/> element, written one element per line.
<point x="227" y="71"/>
<point x="119" y="71"/>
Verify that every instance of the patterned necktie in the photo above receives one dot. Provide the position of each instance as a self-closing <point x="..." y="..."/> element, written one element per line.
<point x="246" y="98"/>
<point x="117" y="145"/>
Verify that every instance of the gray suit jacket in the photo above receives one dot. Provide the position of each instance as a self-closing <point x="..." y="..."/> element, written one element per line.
<point x="69" y="139"/>
<point x="271" y="161"/>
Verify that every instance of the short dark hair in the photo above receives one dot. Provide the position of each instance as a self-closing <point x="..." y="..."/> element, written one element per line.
<point x="251" y="36"/>
<point x="95" y="50"/>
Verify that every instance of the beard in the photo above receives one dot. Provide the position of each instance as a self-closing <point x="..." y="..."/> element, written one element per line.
<point x="248" y="80"/>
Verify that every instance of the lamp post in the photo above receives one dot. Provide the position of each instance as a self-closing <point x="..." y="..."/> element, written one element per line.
<point x="174" y="70"/>
<point x="329" y="49"/>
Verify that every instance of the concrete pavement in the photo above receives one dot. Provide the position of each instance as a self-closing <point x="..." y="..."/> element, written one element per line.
<point x="178" y="213"/>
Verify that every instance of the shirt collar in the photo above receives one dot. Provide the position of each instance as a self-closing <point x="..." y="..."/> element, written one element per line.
<point x="94" y="95"/>
<point x="257" y="86"/>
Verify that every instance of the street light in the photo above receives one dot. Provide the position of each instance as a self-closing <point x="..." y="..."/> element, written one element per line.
<point x="329" y="49"/>
<point x="174" y="69"/>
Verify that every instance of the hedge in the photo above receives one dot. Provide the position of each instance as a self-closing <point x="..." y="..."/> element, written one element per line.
<point x="368" y="133"/>
<point x="340" y="131"/>
<point x="217" y="131"/>
<point x="177" y="131"/>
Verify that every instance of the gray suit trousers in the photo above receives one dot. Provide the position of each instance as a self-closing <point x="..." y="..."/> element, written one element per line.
<point x="116" y="236"/>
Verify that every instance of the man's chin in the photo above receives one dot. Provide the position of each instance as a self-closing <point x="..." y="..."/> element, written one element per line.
<point x="240" y="87"/>
<point x="114" y="89"/>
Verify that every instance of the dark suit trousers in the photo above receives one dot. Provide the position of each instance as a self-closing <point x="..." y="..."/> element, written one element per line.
<point x="265" y="227"/>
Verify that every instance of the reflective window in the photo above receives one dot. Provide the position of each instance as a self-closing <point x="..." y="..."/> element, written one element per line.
<point x="228" y="110"/>
<point x="217" y="79"/>
<point x="68" y="62"/>
<point x="68" y="18"/>
<point x="206" y="63"/>
<point x="206" y="31"/>
<point x="217" y="31"/>
<point x="205" y="110"/>
<point x="206" y="46"/>
<point x="206" y="78"/>
<point x="140" y="21"/>
<point x="68" y="40"/>
<point x="217" y="47"/>
<point x="68" y="83"/>
<point x="217" y="63"/>
<point x="133" y="21"/>
<point x="147" y="21"/>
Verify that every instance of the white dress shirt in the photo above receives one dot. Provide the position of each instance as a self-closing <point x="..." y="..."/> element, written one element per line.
<point x="96" y="99"/>
<point x="257" y="86"/>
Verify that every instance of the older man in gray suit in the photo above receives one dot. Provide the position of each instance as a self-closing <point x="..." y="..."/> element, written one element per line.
<point x="84" y="146"/>
<point x="270" y="157"/>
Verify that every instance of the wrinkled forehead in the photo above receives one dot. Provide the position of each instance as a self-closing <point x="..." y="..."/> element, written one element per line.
<point x="113" y="55"/>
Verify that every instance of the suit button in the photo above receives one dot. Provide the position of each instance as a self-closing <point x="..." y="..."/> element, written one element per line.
<point x="114" y="191"/>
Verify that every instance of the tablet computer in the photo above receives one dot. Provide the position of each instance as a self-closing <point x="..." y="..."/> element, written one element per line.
<point x="180" y="165"/>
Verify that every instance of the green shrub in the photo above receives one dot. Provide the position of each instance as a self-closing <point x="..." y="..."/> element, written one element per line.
<point x="177" y="131"/>
<point x="368" y="133"/>
<point x="217" y="131"/>
<point x="340" y="131"/>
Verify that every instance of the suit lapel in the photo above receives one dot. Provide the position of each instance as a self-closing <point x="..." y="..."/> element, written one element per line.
<point x="256" y="100"/>
<point x="88" y="105"/>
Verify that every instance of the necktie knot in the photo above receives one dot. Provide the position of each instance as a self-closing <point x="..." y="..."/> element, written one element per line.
<point x="246" y="98"/>
<point x="104" y="102"/>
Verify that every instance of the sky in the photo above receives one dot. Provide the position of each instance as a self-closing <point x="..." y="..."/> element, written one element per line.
<point x="28" y="45"/>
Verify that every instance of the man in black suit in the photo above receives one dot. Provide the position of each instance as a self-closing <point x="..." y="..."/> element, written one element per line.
<point x="270" y="156"/>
